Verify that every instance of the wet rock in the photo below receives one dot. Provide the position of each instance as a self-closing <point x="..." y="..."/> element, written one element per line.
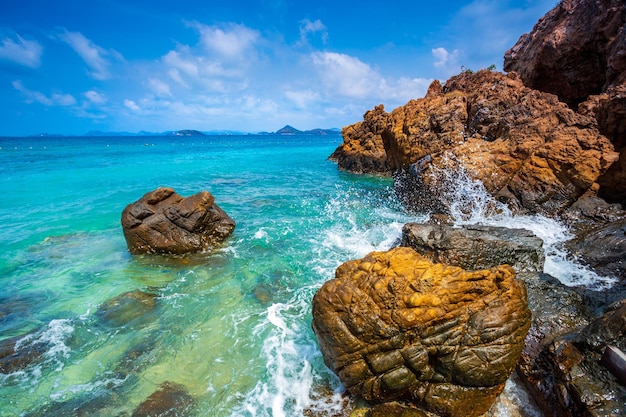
<point x="476" y="247"/>
<point x="395" y="326"/>
<point x="164" y="222"/>
<point x="125" y="308"/>
<point x="603" y="249"/>
<point x="17" y="353"/>
<point x="395" y="409"/>
<point x="560" y="363"/>
<point x="170" y="400"/>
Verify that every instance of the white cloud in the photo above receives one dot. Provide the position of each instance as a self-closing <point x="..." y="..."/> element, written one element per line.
<point x="55" y="99"/>
<point x="95" y="97"/>
<point x="91" y="54"/>
<point x="230" y="41"/>
<point x="131" y="105"/>
<point x="345" y="74"/>
<point x="303" y="98"/>
<point x="348" y="76"/>
<point x="308" y="27"/>
<point x="159" y="88"/>
<point x="21" y="51"/>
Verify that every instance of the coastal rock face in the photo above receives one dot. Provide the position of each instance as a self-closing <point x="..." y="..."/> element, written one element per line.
<point x="362" y="150"/>
<point x="476" y="247"/>
<point x="609" y="109"/>
<point x="576" y="50"/>
<point x="526" y="147"/>
<point x="395" y="326"/>
<point x="164" y="222"/>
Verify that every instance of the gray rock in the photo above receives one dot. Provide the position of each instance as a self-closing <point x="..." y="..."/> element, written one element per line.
<point x="476" y="247"/>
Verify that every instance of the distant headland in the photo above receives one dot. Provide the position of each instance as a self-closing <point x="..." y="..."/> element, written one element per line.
<point x="286" y="131"/>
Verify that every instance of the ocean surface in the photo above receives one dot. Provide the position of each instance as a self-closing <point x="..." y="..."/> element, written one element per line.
<point x="233" y="326"/>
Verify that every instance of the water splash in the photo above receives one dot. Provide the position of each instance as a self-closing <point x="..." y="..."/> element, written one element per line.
<point x="469" y="202"/>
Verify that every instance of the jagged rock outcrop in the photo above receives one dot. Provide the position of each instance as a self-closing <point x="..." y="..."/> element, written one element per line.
<point x="576" y="50"/>
<point x="393" y="325"/>
<point x="475" y="246"/>
<point x="526" y="147"/>
<point x="609" y="109"/>
<point x="362" y="150"/>
<point x="164" y="222"/>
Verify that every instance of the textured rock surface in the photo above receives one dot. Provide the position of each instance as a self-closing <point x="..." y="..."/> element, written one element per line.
<point x="393" y="325"/>
<point x="527" y="148"/>
<point x="603" y="248"/>
<point x="362" y="150"/>
<point x="164" y="222"/>
<point x="609" y="109"/>
<point x="576" y="50"/>
<point x="476" y="247"/>
<point x="560" y="363"/>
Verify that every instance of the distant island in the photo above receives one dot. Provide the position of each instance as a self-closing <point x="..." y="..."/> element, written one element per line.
<point x="287" y="130"/>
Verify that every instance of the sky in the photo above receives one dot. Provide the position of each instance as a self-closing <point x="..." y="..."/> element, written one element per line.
<point x="71" y="66"/>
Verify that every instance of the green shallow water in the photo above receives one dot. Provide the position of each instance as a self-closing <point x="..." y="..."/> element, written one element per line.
<point x="231" y="326"/>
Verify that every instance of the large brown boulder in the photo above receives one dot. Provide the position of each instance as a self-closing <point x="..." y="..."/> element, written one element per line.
<point x="393" y="325"/>
<point x="164" y="222"/>
<point x="576" y="50"/>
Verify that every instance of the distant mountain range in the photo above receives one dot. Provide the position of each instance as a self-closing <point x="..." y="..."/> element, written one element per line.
<point x="287" y="130"/>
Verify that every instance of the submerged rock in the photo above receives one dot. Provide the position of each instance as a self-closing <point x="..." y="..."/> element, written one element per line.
<point x="170" y="400"/>
<point x="476" y="247"/>
<point x="395" y="326"/>
<point x="17" y="353"/>
<point x="126" y="307"/>
<point x="164" y="222"/>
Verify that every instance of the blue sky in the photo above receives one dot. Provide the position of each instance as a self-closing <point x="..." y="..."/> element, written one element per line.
<point x="70" y="66"/>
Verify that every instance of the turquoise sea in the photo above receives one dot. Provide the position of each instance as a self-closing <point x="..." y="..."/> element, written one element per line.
<point x="231" y="327"/>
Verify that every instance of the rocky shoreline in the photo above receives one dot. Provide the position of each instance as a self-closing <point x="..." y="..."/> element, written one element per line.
<point x="547" y="138"/>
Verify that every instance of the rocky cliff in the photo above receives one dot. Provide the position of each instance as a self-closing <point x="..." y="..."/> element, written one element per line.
<point x="528" y="149"/>
<point x="578" y="52"/>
